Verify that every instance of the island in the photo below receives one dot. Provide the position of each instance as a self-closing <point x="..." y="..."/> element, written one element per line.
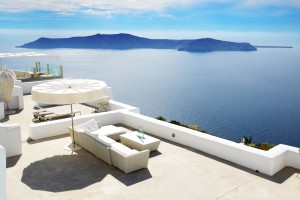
<point x="274" y="47"/>
<point x="123" y="41"/>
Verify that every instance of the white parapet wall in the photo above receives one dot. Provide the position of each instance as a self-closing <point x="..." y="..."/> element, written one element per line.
<point x="16" y="101"/>
<point x="267" y="162"/>
<point x="2" y="113"/>
<point x="2" y="173"/>
<point x="27" y="86"/>
<point x="59" y="127"/>
<point x="10" y="139"/>
<point x="114" y="105"/>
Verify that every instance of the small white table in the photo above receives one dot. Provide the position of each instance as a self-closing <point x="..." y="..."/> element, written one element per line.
<point x="136" y="141"/>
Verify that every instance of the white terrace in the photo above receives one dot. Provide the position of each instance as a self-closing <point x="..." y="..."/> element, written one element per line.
<point x="187" y="165"/>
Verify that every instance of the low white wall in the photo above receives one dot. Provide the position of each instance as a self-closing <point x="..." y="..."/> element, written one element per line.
<point x="114" y="105"/>
<point x="10" y="139"/>
<point x="267" y="162"/>
<point x="59" y="127"/>
<point x="2" y="113"/>
<point x="2" y="173"/>
<point x="17" y="100"/>
<point x="27" y="86"/>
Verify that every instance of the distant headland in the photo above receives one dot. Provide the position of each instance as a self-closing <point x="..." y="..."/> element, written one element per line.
<point x="123" y="41"/>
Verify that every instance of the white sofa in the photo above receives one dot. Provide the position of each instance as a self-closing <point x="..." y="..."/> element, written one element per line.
<point x="2" y="173"/>
<point x="10" y="139"/>
<point x="102" y="142"/>
<point x="128" y="160"/>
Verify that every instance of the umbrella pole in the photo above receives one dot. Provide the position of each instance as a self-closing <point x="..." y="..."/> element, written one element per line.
<point x="72" y="147"/>
<point x="72" y="126"/>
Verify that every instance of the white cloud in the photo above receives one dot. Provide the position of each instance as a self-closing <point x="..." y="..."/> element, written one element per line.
<point x="107" y="8"/>
<point x="91" y="6"/>
<point x="257" y="3"/>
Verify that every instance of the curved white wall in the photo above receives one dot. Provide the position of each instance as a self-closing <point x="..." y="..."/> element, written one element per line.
<point x="267" y="162"/>
<point x="2" y="114"/>
<point x="2" y="173"/>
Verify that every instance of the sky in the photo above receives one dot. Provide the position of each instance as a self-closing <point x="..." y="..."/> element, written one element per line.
<point x="259" y="22"/>
<point x="192" y="15"/>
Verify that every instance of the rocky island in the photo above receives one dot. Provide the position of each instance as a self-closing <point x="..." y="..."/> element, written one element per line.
<point x="123" y="41"/>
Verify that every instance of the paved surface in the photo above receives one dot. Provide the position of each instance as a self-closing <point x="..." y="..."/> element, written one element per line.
<point x="46" y="171"/>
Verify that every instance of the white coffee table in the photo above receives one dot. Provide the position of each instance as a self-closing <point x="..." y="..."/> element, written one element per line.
<point x="134" y="140"/>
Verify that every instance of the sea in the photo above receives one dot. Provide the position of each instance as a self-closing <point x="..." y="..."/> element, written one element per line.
<point x="228" y="94"/>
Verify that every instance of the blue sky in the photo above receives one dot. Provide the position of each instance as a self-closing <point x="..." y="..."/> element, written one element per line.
<point x="194" y="15"/>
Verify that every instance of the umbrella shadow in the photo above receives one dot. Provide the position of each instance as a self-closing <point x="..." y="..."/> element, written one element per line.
<point x="127" y="179"/>
<point x="62" y="173"/>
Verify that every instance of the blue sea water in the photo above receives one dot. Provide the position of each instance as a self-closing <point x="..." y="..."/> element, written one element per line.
<point x="229" y="94"/>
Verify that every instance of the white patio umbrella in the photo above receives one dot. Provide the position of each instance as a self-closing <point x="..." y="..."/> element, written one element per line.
<point x="7" y="83"/>
<point x="69" y="91"/>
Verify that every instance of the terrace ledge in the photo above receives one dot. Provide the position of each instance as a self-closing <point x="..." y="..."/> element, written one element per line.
<point x="2" y="173"/>
<point x="267" y="162"/>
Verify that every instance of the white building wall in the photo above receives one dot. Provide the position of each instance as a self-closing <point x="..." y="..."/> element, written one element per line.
<point x="59" y="127"/>
<point x="267" y="162"/>
<point x="2" y="173"/>
<point x="2" y="113"/>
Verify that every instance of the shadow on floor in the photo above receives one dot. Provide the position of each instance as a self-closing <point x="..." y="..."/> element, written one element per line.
<point x="6" y="118"/>
<point x="31" y="141"/>
<point x="73" y="172"/>
<point x="62" y="173"/>
<point x="127" y="179"/>
<point x="12" y="161"/>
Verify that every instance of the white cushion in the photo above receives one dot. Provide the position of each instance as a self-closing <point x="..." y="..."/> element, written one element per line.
<point x="81" y="127"/>
<point x="93" y="134"/>
<point x="105" y="140"/>
<point x="109" y="130"/>
<point x="92" y="125"/>
<point x="121" y="148"/>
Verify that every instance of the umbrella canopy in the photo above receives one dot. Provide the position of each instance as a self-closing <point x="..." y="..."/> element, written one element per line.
<point x="69" y="91"/>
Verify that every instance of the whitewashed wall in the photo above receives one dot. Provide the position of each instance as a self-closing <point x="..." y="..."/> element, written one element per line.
<point x="267" y="162"/>
<point x="17" y="100"/>
<point x="2" y="173"/>
<point x="27" y="86"/>
<point x="2" y="113"/>
<point x="60" y="127"/>
<point x="10" y="139"/>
